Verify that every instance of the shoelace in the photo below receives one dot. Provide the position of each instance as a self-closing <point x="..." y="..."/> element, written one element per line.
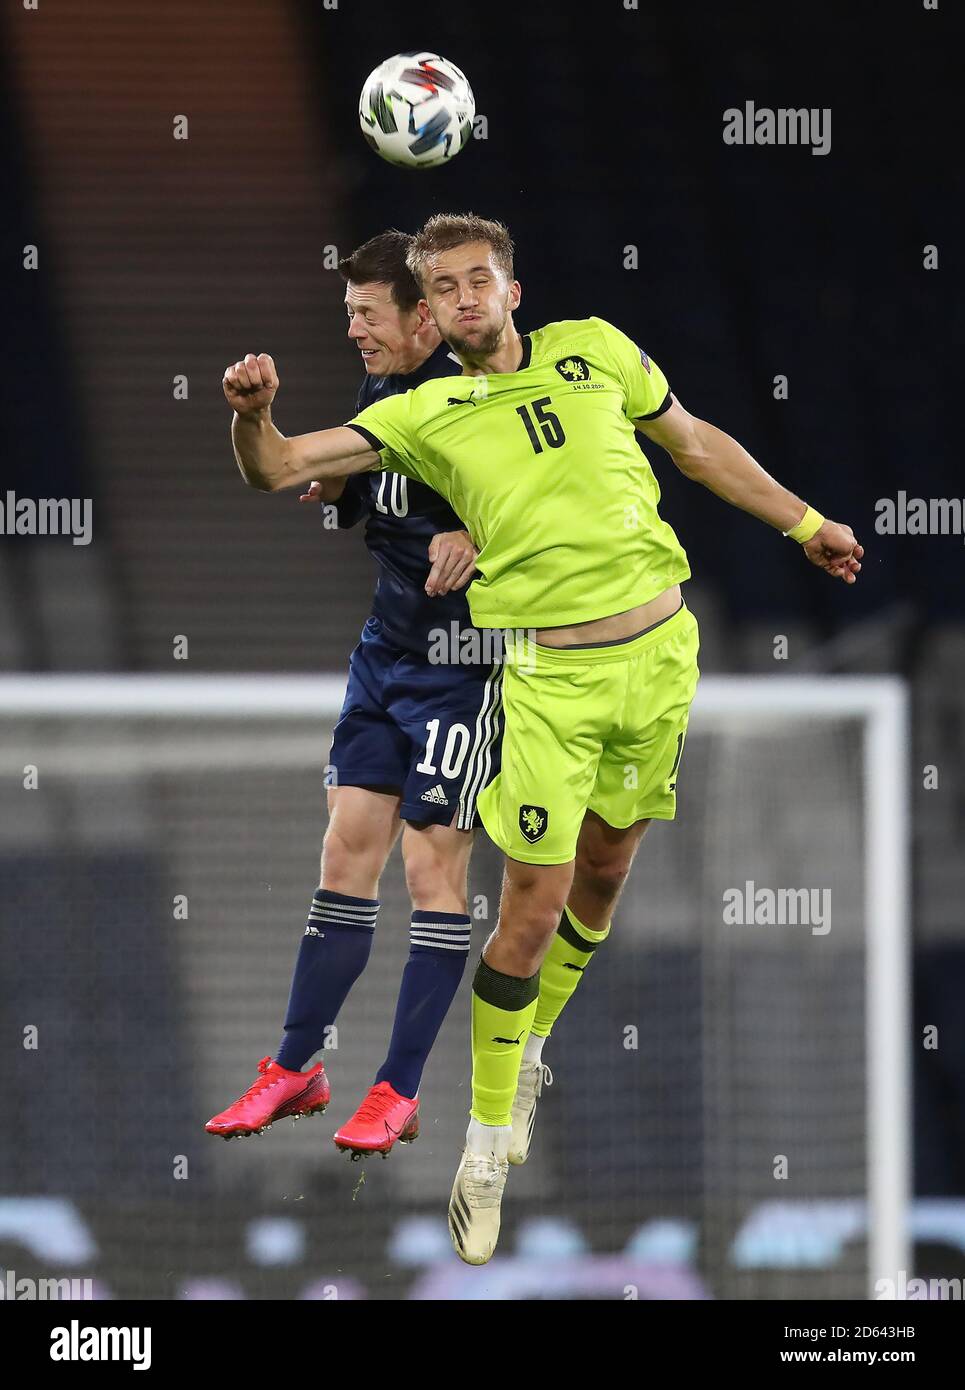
<point x="262" y="1080"/>
<point x="481" y="1179"/>
<point x="374" y="1106"/>
<point x="531" y="1083"/>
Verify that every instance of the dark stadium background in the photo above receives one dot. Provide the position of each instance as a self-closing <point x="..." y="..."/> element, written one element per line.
<point x="161" y="257"/>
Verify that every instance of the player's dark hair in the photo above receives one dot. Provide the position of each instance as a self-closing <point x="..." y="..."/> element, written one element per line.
<point x="382" y="260"/>
<point x="449" y="229"/>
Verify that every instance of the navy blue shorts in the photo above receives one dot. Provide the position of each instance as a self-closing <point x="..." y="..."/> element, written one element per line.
<point x="431" y="731"/>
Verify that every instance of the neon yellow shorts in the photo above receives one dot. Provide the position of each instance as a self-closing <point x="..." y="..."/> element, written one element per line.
<point x="601" y="728"/>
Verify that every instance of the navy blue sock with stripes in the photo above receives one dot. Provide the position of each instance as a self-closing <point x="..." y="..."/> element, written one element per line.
<point x="332" y="955"/>
<point x="438" y="950"/>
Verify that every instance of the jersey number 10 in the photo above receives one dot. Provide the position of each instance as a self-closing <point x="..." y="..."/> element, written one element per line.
<point x="454" y="753"/>
<point x="398" y="495"/>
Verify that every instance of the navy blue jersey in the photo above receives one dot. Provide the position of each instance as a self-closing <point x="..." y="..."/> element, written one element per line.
<point x="401" y="517"/>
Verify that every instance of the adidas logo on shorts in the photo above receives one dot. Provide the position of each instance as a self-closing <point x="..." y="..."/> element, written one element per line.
<point x="436" y="795"/>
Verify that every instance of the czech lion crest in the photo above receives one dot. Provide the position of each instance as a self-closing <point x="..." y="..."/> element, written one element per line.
<point x="533" y="821"/>
<point x="573" y="369"/>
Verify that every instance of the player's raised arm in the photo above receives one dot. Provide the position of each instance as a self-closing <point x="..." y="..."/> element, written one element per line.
<point x="269" y="461"/>
<point x="709" y="456"/>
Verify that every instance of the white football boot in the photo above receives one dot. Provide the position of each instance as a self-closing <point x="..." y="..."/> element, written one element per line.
<point x="533" y="1076"/>
<point x="474" y="1205"/>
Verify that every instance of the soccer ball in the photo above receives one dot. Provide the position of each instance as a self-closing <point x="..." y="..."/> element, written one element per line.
<point x="416" y="110"/>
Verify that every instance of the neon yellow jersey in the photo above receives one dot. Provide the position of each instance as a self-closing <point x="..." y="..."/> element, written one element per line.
<point x="543" y="466"/>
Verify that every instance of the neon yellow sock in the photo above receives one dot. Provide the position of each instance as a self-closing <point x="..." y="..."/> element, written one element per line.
<point x="570" y="952"/>
<point x="502" y="1014"/>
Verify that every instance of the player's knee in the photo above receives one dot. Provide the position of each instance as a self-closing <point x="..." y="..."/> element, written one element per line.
<point x="336" y="852"/>
<point x="530" y="923"/>
<point x="536" y="892"/>
<point x="602" y="876"/>
<point x="348" y="865"/>
<point x="538" y="928"/>
<point x="435" y="878"/>
<point x="427" y="888"/>
<point x="529" y="913"/>
<point x="524" y="941"/>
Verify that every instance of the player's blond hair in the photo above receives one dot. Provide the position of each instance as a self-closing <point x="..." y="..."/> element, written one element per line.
<point x="447" y="230"/>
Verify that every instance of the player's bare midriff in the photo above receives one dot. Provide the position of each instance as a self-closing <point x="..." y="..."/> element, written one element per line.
<point x="617" y="626"/>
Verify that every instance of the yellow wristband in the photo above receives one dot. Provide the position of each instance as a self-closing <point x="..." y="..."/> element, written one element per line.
<point x="810" y="523"/>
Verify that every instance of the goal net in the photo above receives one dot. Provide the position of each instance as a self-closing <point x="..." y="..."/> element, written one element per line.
<point x="729" y="1111"/>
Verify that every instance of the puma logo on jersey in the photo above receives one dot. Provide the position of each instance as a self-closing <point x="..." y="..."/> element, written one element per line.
<point x="436" y="795"/>
<point x="511" y="1042"/>
<point x="461" y="400"/>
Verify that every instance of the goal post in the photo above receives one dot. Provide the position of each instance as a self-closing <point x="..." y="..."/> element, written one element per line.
<point x="754" y="752"/>
<point x="881" y="703"/>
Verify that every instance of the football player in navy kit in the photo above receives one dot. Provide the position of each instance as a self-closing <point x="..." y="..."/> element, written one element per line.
<point x="416" y="742"/>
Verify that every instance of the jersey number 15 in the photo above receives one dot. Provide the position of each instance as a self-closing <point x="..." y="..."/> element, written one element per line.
<point x="548" y="422"/>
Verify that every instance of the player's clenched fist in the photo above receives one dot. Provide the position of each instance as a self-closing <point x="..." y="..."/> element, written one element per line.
<point x="251" y="385"/>
<point x="834" y="548"/>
